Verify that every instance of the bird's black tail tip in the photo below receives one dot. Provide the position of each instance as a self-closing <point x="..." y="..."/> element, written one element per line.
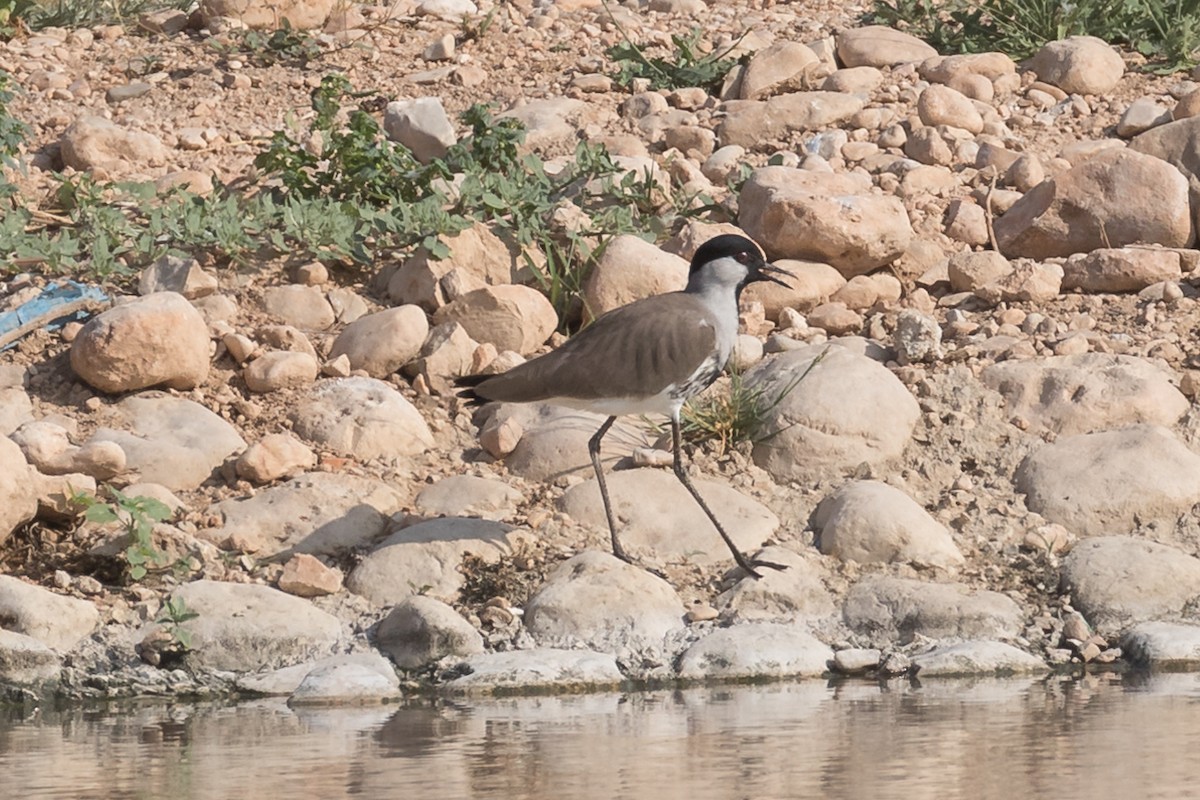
<point x="466" y="385"/>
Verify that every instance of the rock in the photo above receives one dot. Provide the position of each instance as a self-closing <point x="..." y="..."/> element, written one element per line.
<point x="245" y="627"/>
<point x="1116" y="581"/>
<point x="1079" y="65"/>
<point x="100" y="460"/>
<point x="836" y="415"/>
<point x="15" y="408"/>
<point x="321" y="513"/>
<point x="447" y="353"/>
<point x="774" y="67"/>
<point x="421" y="125"/>
<point x="168" y="21"/>
<point x="810" y="284"/>
<point x="95" y="143"/>
<point x="452" y="10"/>
<point x="856" y="660"/>
<point x="1110" y="482"/>
<point x="1076" y="211"/>
<point x="350" y="679"/>
<point x="24" y="661"/>
<point x="511" y="317"/>
<point x="887" y="610"/>
<point x="854" y="80"/>
<point x="1162" y="645"/>
<point x="1177" y="143"/>
<point x="562" y="670"/>
<point x="941" y="105"/>
<point x="969" y="271"/>
<point x="174" y="274"/>
<point x="169" y="440"/>
<point x="871" y="522"/>
<point x="275" y="456"/>
<point x="918" y="337"/>
<point x="421" y="630"/>
<point x="835" y="319"/>
<point x="767" y="650"/>
<point x="383" y="342"/>
<point x="1088" y="392"/>
<point x="1128" y="269"/>
<point x="425" y="558"/>
<point x="880" y="46"/>
<point x="659" y="520"/>
<point x="550" y="123"/>
<point x="54" y="620"/>
<point x="280" y="369"/>
<point x="751" y="123"/>
<point x="304" y="307"/>
<point x="554" y="440"/>
<point x="477" y="258"/>
<point x="305" y="576"/>
<point x="363" y="418"/>
<point x="597" y="600"/>
<point x="157" y="339"/>
<point x="18" y="495"/>
<point x="1027" y="282"/>
<point x="1142" y="115"/>
<point x="825" y="217"/>
<point x="976" y="658"/>
<point x="268" y="15"/>
<point x="953" y="70"/>
<point x="468" y="496"/>
<point x="795" y="593"/>
<point x="630" y="268"/>
<point x="966" y="222"/>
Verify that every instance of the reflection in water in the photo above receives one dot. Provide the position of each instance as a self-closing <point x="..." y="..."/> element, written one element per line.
<point x="1109" y="736"/>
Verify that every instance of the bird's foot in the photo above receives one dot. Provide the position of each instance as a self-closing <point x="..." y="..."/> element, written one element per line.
<point x="749" y="566"/>
<point x="628" y="559"/>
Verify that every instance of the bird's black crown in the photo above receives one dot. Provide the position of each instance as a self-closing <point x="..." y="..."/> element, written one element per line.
<point x="724" y="246"/>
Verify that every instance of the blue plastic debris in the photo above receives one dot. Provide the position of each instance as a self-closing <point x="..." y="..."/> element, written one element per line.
<point x="75" y="301"/>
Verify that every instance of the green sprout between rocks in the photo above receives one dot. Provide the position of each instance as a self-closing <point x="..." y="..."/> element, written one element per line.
<point x="138" y="515"/>
<point x="173" y="614"/>
<point x="1166" y="33"/>
<point x="285" y="46"/>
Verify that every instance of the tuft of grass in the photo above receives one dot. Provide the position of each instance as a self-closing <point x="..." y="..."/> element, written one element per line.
<point x="1165" y="31"/>
<point x="689" y="64"/>
<point x="284" y="45"/>
<point x="77" y="13"/>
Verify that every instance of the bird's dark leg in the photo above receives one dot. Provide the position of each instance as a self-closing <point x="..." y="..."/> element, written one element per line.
<point x="681" y="473"/>
<point x="594" y="450"/>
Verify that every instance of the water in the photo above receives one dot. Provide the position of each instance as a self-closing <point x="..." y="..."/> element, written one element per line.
<point x="1094" y="737"/>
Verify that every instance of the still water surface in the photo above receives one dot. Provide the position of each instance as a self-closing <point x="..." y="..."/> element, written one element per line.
<point x="1094" y="737"/>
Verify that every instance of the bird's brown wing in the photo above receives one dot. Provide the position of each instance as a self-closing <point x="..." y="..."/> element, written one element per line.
<point x="633" y="351"/>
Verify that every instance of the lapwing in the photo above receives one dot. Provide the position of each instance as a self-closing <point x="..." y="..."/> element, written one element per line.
<point x="647" y="357"/>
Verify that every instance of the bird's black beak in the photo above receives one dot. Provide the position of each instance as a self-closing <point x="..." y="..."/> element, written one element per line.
<point x="767" y="272"/>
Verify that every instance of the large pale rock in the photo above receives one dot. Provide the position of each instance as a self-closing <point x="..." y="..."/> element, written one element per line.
<point x="836" y="414"/>
<point x="1113" y="199"/>
<point x="787" y="595"/>
<point x="157" y="339"/>
<point x="750" y="123"/>
<point x="774" y="67"/>
<point x="25" y="661"/>
<point x="468" y="496"/>
<point x="659" y="520"/>
<point x="174" y="274"/>
<point x="383" y="342"/>
<point x="269" y="14"/>
<point x="768" y="650"/>
<point x="246" y="627"/>
<point x="941" y="105"/>
<point x="880" y="46"/>
<point x="477" y="258"/>
<point x="887" y="610"/>
<point x="1116" y="581"/>
<point x="15" y="408"/>
<point x="363" y="418"/>
<point x="629" y="269"/>
<point x="1111" y="481"/>
<point x="421" y="630"/>
<point x="550" y="123"/>
<point x="425" y="558"/>
<point x="511" y="317"/>
<point x="1128" y="269"/>
<point x="1087" y="392"/>
<point x="352" y="679"/>
<point x="280" y="369"/>
<point x="304" y="307"/>
<point x="323" y="513"/>
<point x="554" y="440"/>
<point x="810" y="284"/>
<point x="827" y="217"/>
<point x="1177" y="143"/>
<point x="54" y="620"/>
<point x="1162" y="644"/>
<point x="95" y="143"/>
<point x="1079" y="65"/>
<point x="169" y="440"/>
<point x="872" y="522"/>
<point x="597" y="600"/>
<point x="951" y="70"/>
<point x="18" y="491"/>
<point x="976" y="658"/>
<point x="564" y="670"/>
<point x="421" y="125"/>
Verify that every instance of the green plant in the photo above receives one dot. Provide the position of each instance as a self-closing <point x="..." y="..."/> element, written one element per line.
<point x="138" y="515"/>
<point x="687" y="66"/>
<point x="173" y="614"/>
<point x="82" y="13"/>
<point x="12" y="133"/>
<point x="285" y="45"/>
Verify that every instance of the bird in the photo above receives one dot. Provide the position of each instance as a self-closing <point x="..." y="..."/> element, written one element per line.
<point x="646" y="357"/>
